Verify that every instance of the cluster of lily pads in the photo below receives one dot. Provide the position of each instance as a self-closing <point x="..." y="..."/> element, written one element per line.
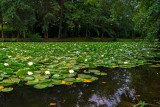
<point x="43" y="65"/>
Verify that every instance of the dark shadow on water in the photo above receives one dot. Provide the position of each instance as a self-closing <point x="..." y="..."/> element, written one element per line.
<point x="120" y="89"/>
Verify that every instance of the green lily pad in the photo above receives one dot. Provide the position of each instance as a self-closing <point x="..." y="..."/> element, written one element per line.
<point x="44" y="81"/>
<point x="21" y="72"/>
<point x="11" y="81"/>
<point x="100" y="73"/>
<point x="93" y="78"/>
<point x="9" y="72"/>
<point x="40" y="86"/>
<point x="57" y="76"/>
<point x="64" y="72"/>
<point x="29" y="78"/>
<point x="7" y="89"/>
<point x="1" y="78"/>
<point x="41" y="77"/>
<point x="69" y="79"/>
<point x="94" y="71"/>
<point x="56" y="82"/>
<point x="84" y="76"/>
<point x="69" y="75"/>
<point x="78" y="81"/>
<point x="32" y="82"/>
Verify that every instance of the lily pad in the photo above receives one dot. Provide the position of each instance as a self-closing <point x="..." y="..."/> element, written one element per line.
<point x="69" y="79"/>
<point x="57" y="76"/>
<point x="21" y="72"/>
<point x="29" y="78"/>
<point x="40" y="86"/>
<point x="45" y="81"/>
<point x="7" y="89"/>
<point x="84" y="76"/>
<point x="56" y="82"/>
<point x="11" y="81"/>
<point x="32" y="82"/>
<point x="94" y="71"/>
<point x="100" y="73"/>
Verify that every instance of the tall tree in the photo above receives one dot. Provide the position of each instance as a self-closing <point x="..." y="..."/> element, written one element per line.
<point x="46" y="14"/>
<point x="19" y="14"/>
<point x="2" y="19"/>
<point x="147" y="18"/>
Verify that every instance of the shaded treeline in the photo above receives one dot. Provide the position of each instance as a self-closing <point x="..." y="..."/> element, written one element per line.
<point x="80" y="18"/>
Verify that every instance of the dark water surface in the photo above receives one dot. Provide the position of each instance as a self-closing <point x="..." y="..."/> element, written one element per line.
<point x="123" y="88"/>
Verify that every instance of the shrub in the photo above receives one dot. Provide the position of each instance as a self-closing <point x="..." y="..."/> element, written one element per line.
<point x="36" y="38"/>
<point x="13" y="40"/>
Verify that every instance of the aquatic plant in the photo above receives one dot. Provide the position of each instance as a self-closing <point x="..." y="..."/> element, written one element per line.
<point x="43" y="65"/>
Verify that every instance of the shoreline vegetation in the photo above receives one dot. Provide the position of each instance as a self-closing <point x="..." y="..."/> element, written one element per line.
<point x="75" y="39"/>
<point x="87" y="19"/>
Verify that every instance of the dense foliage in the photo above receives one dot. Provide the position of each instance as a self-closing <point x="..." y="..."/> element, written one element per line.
<point x="44" y="65"/>
<point x="86" y="18"/>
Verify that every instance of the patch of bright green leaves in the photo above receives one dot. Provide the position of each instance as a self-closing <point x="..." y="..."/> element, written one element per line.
<point x="43" y="65"/>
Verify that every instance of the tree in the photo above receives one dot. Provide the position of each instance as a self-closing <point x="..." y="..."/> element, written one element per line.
<point x="19" y="14"/>
<point x="2" y="19"/>
<point x="147" y="18"/>
<point x="46" y="14"/>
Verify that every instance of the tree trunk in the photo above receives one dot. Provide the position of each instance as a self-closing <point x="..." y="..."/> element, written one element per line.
<point x="61" y="19"/>
<point x="76" y="30"/>
<point x="86" y="32"/>
<point x="133" y="36"/>
<point x="102" y="35"/>
<point x="18" y="36"/>
<point x="24" y="34"/>
<point x="115" y="37"/>
<point x="2" y="33"/>
<point x="46" y="34"/>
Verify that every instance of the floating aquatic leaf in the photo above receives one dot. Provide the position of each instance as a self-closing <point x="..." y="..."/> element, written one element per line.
<point x="100" y="73"/>
<point x="103" y="82"/>
<point x="41" y="77"/>
<point x="11" y="81"/>
<point x="69" y="79"/>
<point x="115" y="66"/>
<point x="29" y="78"/>
<point x="1" y="87"/>
<point x="84" y="76"/>
<point x="21" y="72"/>
<point x="40" y="86"/>
<point x="94" y="71"/>
<point x="7" y="89"/>
<point x="85" y="80"/>
<point x="93" y="78"/>
<point x="59" y="58"/>
<point x="32" y="82"/>
<point x="45" y="81"/>
<point x="69" y="75"/>
<point x="57" y="76"/>
<point x="52" y="104"/>
<point x="56" y="82"/>
<point x="1" y="78"/>
<point x="155" y="66"/>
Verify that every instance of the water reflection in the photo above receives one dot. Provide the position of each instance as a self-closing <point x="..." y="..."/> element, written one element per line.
<point x="120" y="89"/>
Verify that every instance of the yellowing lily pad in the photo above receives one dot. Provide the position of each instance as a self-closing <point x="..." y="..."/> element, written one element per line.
<point x="85" y="80"/>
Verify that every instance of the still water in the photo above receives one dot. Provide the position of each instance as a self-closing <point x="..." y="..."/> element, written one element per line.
<point x="120" y="88"/>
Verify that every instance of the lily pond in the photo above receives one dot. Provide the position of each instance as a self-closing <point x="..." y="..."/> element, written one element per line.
<point x="90" y="74"/>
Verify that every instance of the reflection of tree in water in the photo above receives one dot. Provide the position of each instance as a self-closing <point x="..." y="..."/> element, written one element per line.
<point x="117" y="86"/>
<point x="145" y="80"/>
<point x="121" y="85"/>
